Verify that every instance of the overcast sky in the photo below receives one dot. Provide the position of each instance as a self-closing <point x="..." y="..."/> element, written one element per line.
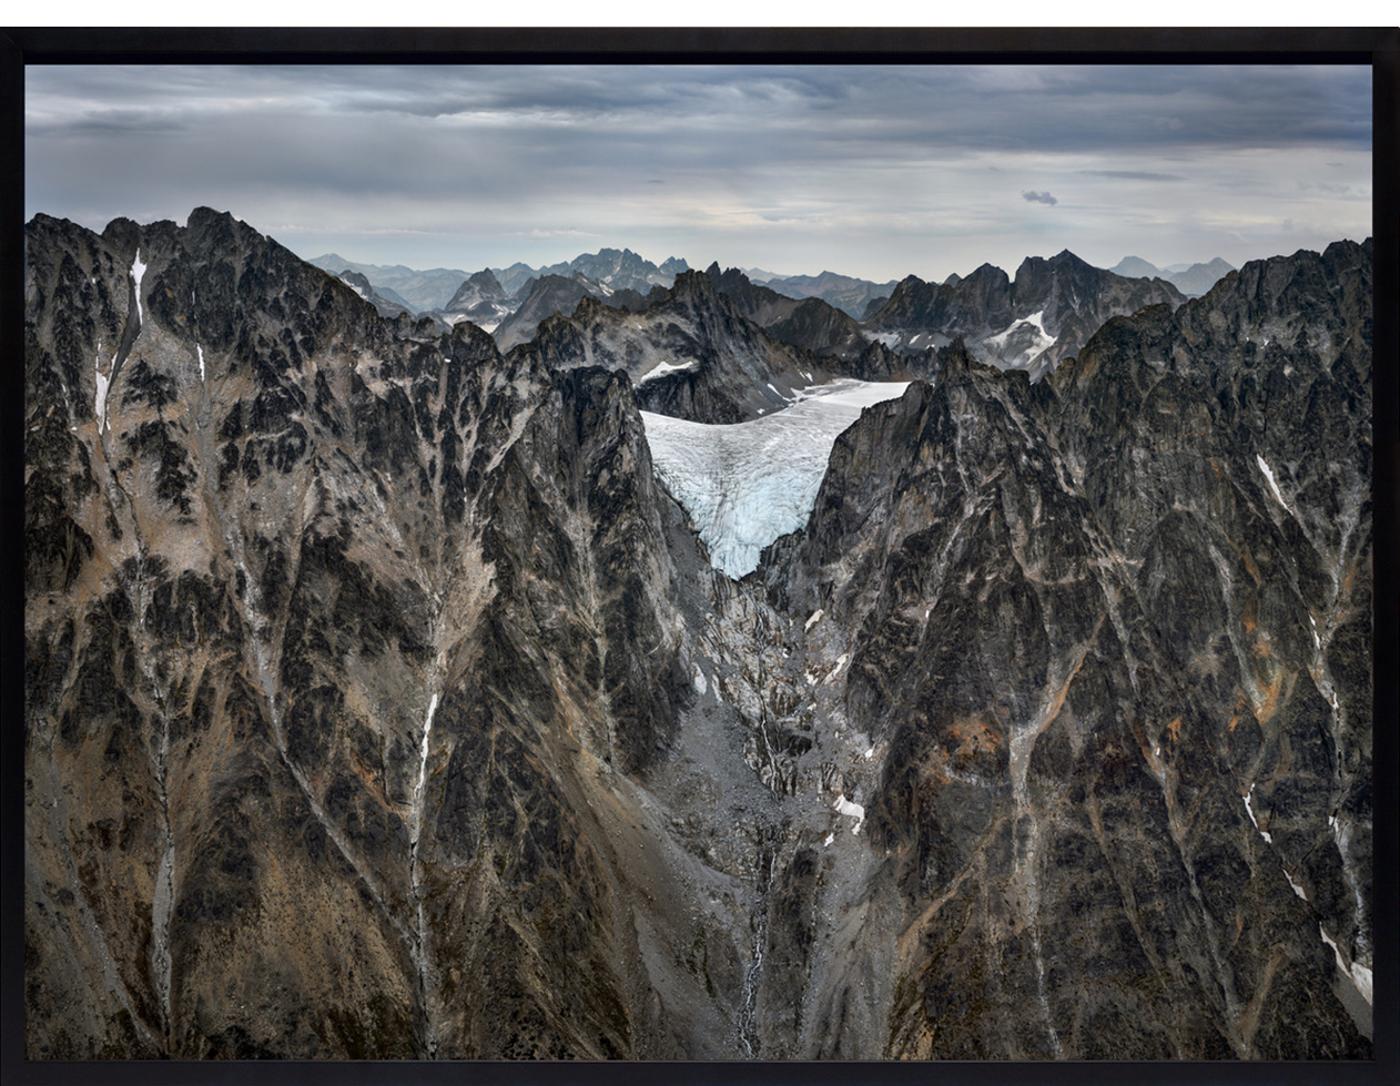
<point x="872" y="171"/>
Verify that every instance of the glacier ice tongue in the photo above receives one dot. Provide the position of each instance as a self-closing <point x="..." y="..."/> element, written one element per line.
<point x="745" y="484"/>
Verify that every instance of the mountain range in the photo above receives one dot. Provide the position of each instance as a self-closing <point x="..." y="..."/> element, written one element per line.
<point x="1023" y="342"/>
<point x="1044" y="315"/>
<point x="414" y="289"/>
<point x="684" y="679"/>
<point x="1192" y="280"/>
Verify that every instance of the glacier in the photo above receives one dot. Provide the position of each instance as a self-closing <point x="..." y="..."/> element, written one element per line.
<point x="745" y="484"/>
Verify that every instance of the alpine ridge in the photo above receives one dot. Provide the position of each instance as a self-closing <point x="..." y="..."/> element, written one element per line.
<point x="1032" y="322"/>
<point x="382" y="701"/>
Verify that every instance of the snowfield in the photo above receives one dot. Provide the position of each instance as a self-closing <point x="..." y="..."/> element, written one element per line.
<point x="1042" y="340"/>
<point x="661" y="369"/>
<point x="747" y="483"/>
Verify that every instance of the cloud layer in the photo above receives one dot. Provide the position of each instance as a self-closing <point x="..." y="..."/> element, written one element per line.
<point x="877" y="171"/>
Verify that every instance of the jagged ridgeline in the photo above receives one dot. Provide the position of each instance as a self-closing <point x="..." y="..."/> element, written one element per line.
<point x="381" y="702"/>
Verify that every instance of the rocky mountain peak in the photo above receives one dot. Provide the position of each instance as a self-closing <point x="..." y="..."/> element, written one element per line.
<point x="695" y="287"/>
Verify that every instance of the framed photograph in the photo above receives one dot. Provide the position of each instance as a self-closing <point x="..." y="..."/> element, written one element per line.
<point x="777" y="555"/>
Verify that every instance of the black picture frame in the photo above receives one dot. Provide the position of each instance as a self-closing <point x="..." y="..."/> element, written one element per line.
<point x="1378" y="48"/>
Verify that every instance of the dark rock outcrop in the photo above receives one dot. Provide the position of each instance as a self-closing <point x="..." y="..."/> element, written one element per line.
<point x="1032" y="322"/>
<point x="689" y="352"/>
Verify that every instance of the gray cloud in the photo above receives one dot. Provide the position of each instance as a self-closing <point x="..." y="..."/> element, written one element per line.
<point x="788" y="167"/>
<point x="1133" y="175"/>
<point x="1039" y="198"/>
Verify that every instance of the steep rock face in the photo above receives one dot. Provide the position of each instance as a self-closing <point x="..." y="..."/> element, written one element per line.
<point x="821" y="328"/>
<point x="758" y="303"/>
<point x="811" y="324"/>
<point x="690" y="353"/>
<point x="1113" y="635"/>
<point x="1033" y="322"/>
<point x="338" y="639"/>
<point x="548" y="296"/>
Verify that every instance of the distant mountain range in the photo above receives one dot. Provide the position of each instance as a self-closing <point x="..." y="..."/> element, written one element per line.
<point x="386" y="301"/>
<point x="617" y="269"/>
<point x="1192" y="280"/>
<point x="436" y="290"/>
<point x="414" y="289"/>
<point x="845" y="292"/>
<point x="1032" y="322"/>
<point x="874" y="329"/>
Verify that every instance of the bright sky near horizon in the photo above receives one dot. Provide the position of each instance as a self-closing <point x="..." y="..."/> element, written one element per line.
<point x="878" y="171"/>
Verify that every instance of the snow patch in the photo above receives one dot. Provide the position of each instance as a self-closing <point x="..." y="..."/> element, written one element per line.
<point x="889" y="339"/>
<point x="427" y="733"/>
<point x="1249" y="810"/>
<point x="850" y="810"/>
<point x="1359" y="974"/>
<point x="701" y="683"/>
<point x="1043" y="340"/>
<point x="200" y="351"/>
<point x="1273" y="483"/>
<point x="100" y="399"/>
<point x="813" y="619"/>
<point x="138" y="270"/>
<point x="1296" y="888"/>
<point x="745" y="484"/>
<point x="661" y="369"/>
